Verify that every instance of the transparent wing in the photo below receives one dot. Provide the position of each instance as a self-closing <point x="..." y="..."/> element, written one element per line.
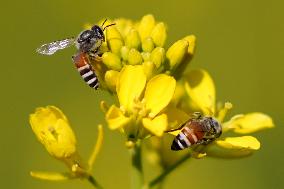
<point x="51" y="48"/>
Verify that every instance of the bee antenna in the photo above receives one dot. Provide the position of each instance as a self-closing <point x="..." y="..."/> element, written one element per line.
<point x="104" y="22"/>
<point x="108" y="26"/>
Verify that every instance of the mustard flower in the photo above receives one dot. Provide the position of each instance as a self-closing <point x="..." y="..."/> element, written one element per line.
<point x="141" y="103"/>
<point x="199" y="95"/>
<point x="53" y="130"/>
<point x="140" y="43"/>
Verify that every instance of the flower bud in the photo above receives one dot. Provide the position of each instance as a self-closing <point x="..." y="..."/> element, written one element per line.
<point x="134" y="57"/>
<point x="159" y="34"/>
<point x="191" y="39"/>
<point x="124" y="51"/>
<point x="148" y="44"/>
<point x="111" y="78"/>
<point x="52" y="129"/>
<point x="158" y="56"/>
<point x="114" y="40"/>
<point x="146" y="26"/>
<point x="133" y="40"/>
<point x="146" y="56"/>
<point x="112" y="61"/>
<point x="176" y="53"/>
<point x="148" y="68"/>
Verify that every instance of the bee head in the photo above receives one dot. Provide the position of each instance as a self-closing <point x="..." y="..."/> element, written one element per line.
<point x="98" y="31"/>
<point x="216" y="127"/>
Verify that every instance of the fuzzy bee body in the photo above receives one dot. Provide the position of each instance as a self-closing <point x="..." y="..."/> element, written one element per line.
<point x="201" y="130"/>
<point x="88" y="43"/>
<point x="81" y="62"/>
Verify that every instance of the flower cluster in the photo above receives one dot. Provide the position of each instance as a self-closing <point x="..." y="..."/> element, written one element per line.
<point x="154" y="95"/>
<point x="140" y="43"/>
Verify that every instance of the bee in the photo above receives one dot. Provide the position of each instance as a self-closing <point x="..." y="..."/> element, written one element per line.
<point x="197" y="130"/>
<point x="88" y="43"/>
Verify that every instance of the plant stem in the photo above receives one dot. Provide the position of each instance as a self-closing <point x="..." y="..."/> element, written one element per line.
<point x="93" y="181"/>
<point x="162" y="176"/>
<point x="137" y="179"/>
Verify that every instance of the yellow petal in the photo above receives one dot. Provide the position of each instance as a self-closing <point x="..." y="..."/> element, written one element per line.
<point x="249" y="123"/>
<point x="156" y="126"/>
<point x="111" y="78"/>
<point x="52" y="129"/>
<point x="115" y="118"/>
<point x="159" y="92"/>
<point x="233" y="147"/>
<point x="51" y="176"/>
<point x="200" y="89"/>
<point x="130" y="85"/>
<point x="176" y="117"/>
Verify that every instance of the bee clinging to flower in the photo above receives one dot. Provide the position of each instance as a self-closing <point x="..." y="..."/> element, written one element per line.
<point x="88" y="44"/>
<point x="197" y="130"/>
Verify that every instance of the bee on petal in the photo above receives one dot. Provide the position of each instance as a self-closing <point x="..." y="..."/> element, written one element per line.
<point x="197" y="130"/>
<point x="88" y="43"/>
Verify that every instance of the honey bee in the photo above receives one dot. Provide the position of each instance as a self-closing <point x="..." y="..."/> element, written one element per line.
<point x="88" y="43"/>
<point x="197" y="130"/>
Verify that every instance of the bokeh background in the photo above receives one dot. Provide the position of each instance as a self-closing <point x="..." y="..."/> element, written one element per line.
<point x="239" y="42"/>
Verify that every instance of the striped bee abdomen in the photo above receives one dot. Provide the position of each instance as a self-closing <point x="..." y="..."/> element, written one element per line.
<point x="186" y="138"/>
<point x="85" y="70"/>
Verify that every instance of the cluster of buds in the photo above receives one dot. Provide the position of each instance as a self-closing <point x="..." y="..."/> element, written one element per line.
<point x="141" y="43"/>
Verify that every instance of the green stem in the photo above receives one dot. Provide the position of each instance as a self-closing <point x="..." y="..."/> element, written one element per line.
<point x="137" y="178"/>
<point x="95" y="183"/>
<point x="163" y="175"/>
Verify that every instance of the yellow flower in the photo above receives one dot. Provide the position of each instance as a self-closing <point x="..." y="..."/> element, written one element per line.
<point x="199" y="95"/>
<point x="141" y="43"/>
<point x="141" y="103"/>
<point x="52" y="129"/>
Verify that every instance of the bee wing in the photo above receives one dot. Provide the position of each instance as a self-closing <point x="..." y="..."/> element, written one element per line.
<point x="51" y="48"/>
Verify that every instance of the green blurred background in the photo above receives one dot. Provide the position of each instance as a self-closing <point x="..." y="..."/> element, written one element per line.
<point x="239" y="42"/>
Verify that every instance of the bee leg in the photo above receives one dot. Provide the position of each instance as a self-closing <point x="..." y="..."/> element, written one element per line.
<point x="197" y="115"/>
<point x="95" y="56"/>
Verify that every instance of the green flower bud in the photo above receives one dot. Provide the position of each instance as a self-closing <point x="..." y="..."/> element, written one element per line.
<point x="112" y="61"/>
<point x="176" y="53"/>
<point x="148" y="44"/>
<point x="146" y="26"/>
<point x="158" y="56"/>
<point x="134" y="57"/>
<point x="159" y="34"/>
<point x="124" y="51"/>
<point x="133" y="40"/>
<point x="114" y="40"/>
